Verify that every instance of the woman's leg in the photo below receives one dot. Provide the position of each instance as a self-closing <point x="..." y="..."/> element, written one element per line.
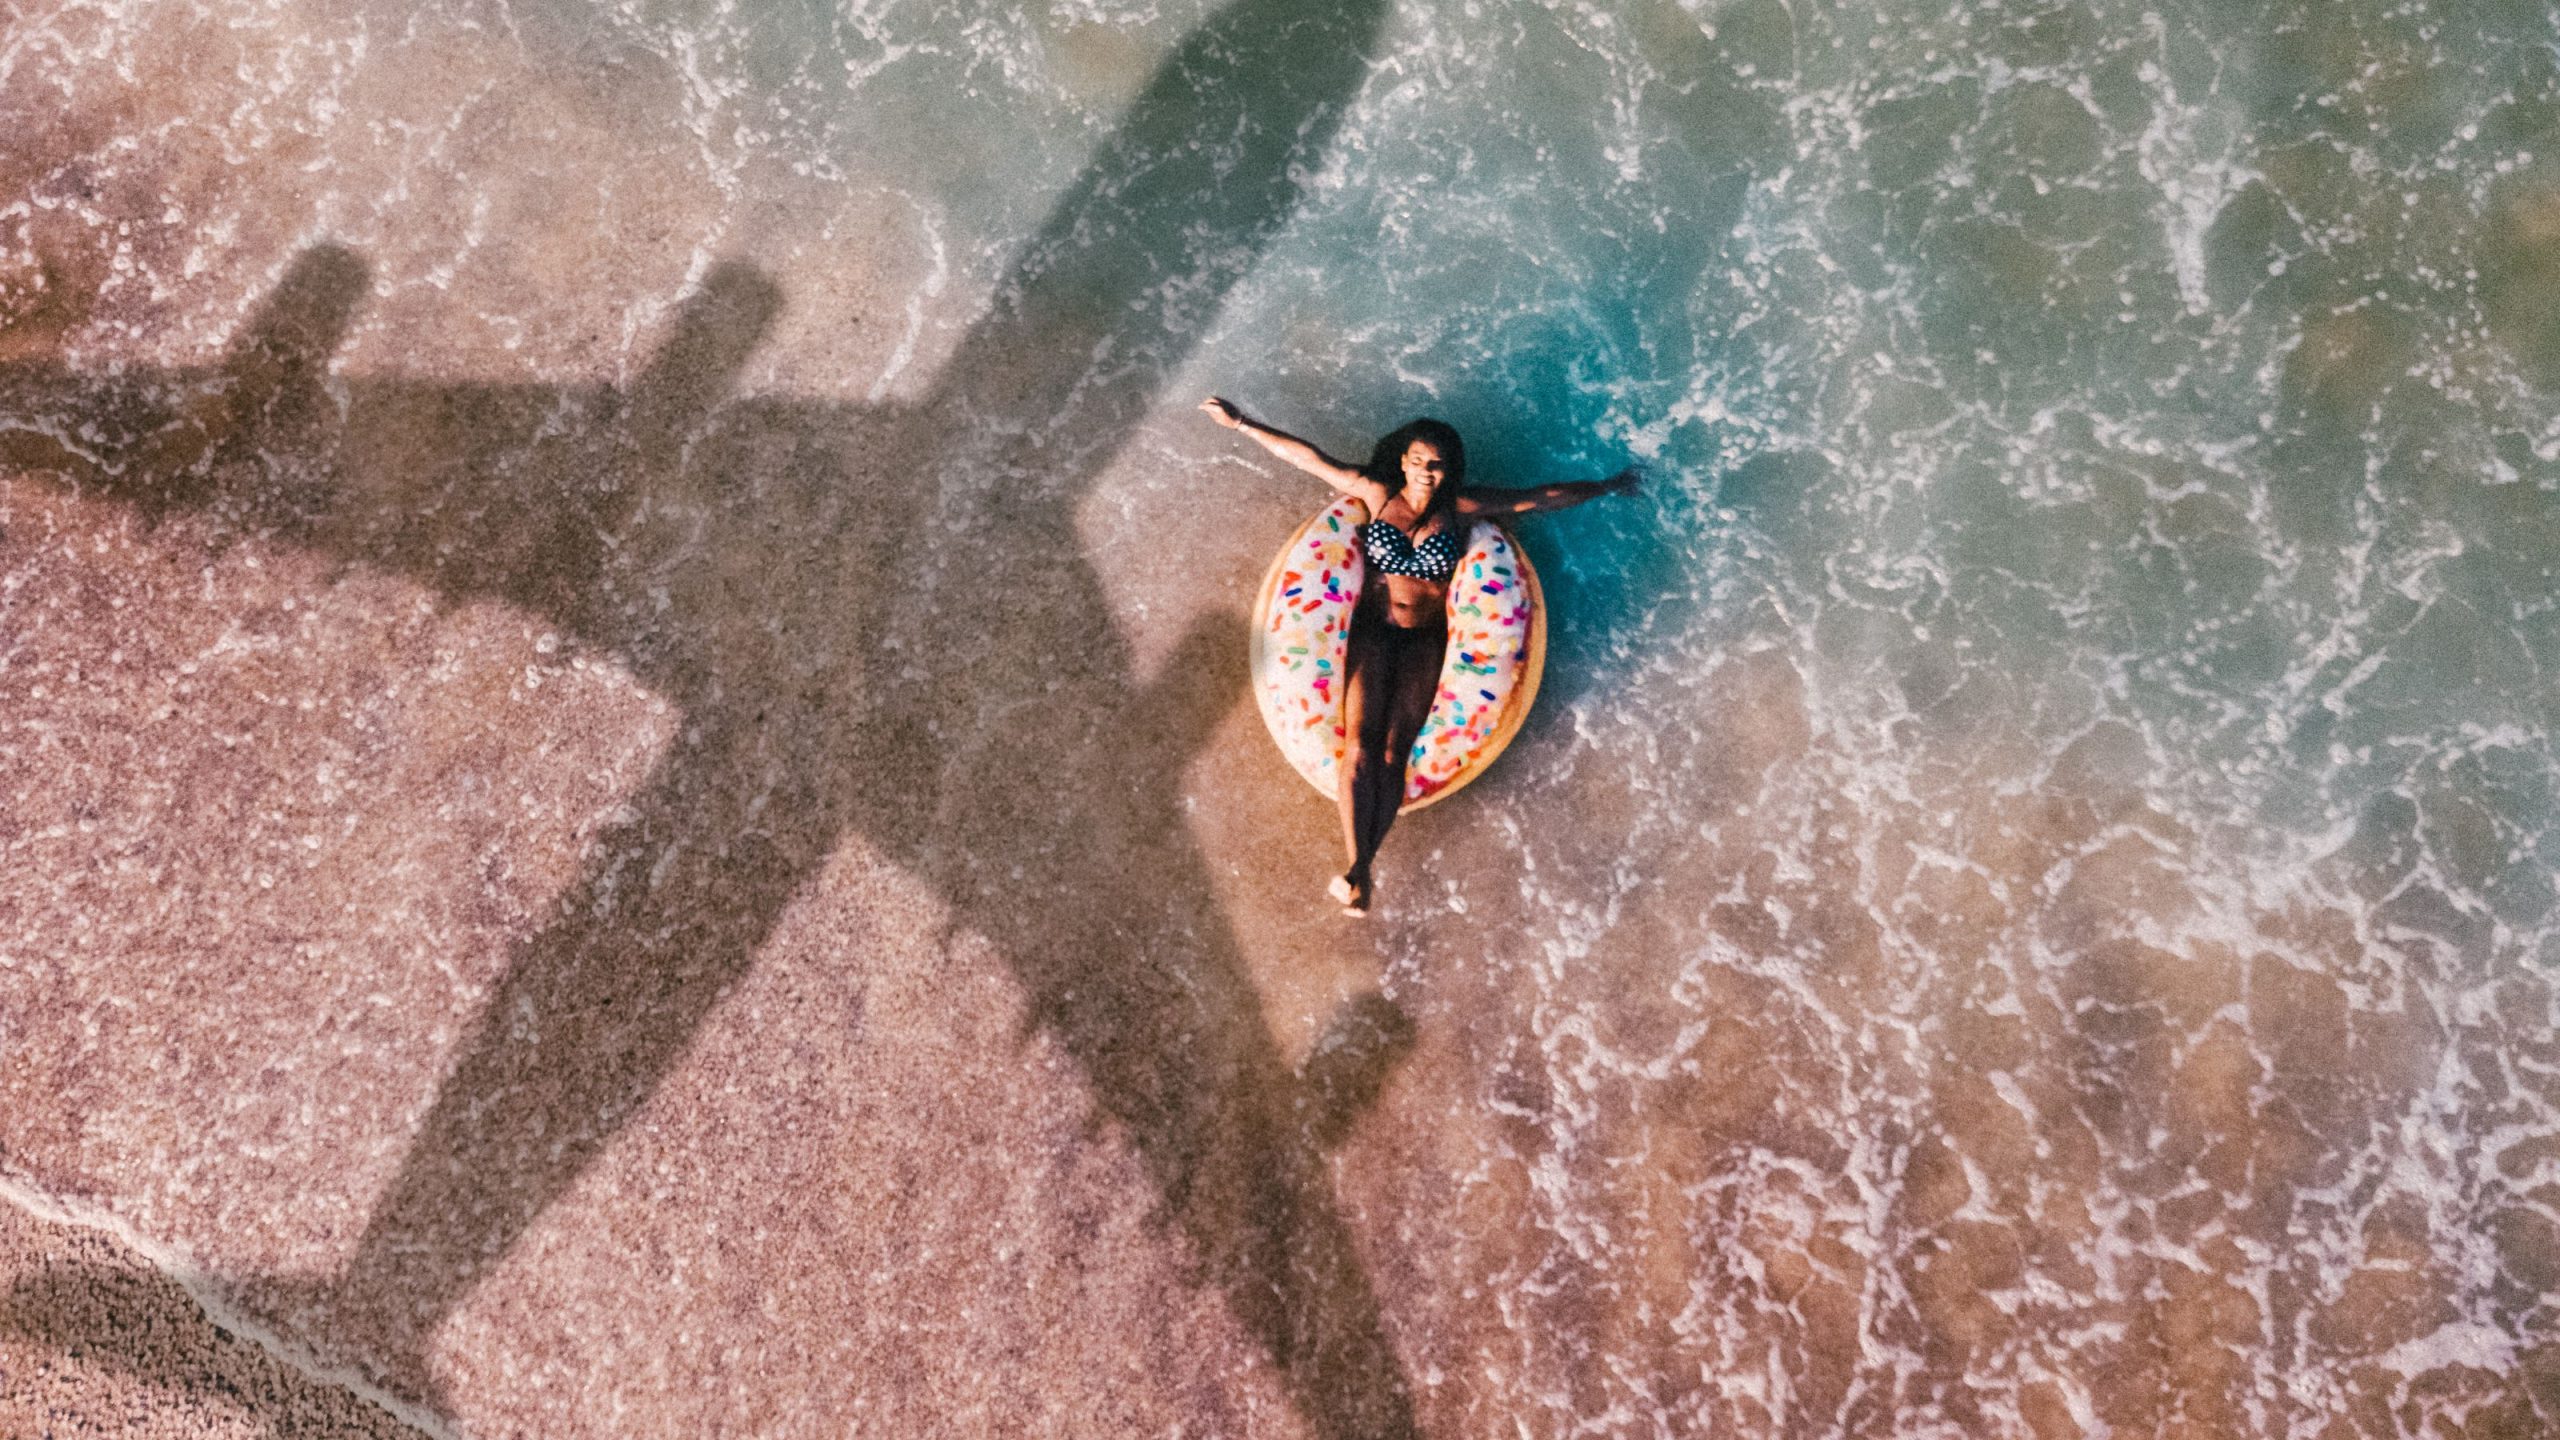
<point x="1385" y="702"/>
<point x="1367" y="685"/>
<point x="1410" y="690"/>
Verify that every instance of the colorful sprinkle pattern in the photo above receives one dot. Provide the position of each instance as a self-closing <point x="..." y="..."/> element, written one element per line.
<point x="1304" y="629"/>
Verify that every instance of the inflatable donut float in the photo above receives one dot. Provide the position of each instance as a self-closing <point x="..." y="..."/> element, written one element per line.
<point x="1302" y="626"/>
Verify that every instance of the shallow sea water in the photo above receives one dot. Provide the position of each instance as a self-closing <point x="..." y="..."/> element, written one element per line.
<point x="2028" y="905"/>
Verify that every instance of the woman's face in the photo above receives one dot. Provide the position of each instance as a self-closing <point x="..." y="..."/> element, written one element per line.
<point x="1424" y="469"/>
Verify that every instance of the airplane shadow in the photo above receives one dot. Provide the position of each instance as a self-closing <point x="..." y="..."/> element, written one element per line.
<point x="876" y="622"/>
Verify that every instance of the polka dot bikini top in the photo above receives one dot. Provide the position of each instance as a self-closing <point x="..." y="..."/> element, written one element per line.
<point x="1392" y="552"/>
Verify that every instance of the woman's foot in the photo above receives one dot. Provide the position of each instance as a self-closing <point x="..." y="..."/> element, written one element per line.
<point x="1352" y="891"/>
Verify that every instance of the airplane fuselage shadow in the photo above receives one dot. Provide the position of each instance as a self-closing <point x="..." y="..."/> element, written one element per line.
<point x="875" y="622"/>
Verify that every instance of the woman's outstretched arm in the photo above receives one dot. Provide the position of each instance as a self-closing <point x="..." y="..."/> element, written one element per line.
<point x="1345" y="478"/>
<point x="1531" y="499"/>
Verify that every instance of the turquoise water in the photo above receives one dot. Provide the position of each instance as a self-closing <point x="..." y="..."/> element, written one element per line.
<point x="2098" y="593"/>
<point x="2170" y="368"/>
<point x="2027" y="906"/>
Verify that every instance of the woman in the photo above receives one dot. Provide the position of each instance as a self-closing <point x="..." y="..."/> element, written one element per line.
<point x="1420" y="511"/>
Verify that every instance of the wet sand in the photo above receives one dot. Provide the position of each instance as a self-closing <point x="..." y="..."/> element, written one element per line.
<point x="98" y="1339"/>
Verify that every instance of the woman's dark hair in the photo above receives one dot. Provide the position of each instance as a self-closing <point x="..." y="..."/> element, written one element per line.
<point x="1386" y="463"/>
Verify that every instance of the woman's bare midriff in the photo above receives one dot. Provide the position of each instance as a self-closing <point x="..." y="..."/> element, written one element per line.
<point x="1412" y="603"/>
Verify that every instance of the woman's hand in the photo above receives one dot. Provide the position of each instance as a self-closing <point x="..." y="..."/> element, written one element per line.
<point x="1536" y="499"/>
<point x="1297" y="452"/>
